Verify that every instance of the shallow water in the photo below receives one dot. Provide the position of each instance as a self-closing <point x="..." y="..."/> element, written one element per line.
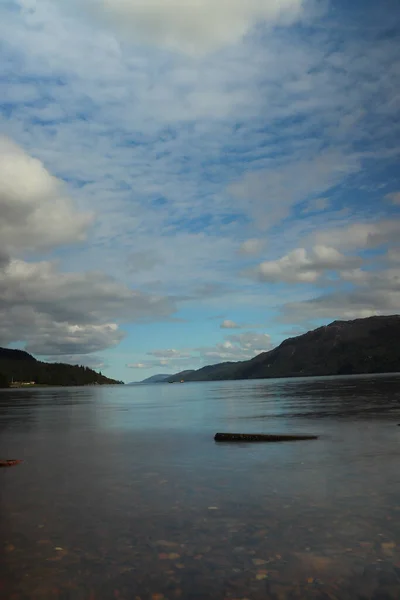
<point x="123" y="492"/>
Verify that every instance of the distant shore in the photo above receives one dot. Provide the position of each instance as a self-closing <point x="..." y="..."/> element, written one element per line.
<point x="42" y="385"/>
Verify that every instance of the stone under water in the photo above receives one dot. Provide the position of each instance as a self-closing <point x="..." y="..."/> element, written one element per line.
<point x="260" y="437"/>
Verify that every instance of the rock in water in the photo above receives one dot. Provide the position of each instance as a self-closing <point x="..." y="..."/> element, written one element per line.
<point x="260" y="437"/>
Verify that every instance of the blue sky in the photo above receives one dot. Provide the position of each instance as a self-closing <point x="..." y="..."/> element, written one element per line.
<point x="186" y="183"/>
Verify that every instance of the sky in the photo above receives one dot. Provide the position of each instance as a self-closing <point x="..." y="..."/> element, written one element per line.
<point x="186" y="183"/>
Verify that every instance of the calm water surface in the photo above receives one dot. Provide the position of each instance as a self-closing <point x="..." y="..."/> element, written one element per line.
<point x="124" y="494"/>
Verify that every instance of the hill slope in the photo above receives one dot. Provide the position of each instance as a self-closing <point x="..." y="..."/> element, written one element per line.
<point x="159" y="378"/>
<point x="19" y="366"/>
<point x="344" y="347"/>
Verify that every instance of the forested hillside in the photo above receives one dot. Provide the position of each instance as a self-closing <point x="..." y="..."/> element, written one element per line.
<point x="367" y="345"/>
<point x="17" y="367"/>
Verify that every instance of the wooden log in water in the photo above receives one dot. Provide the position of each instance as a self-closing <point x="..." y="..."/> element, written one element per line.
<point x="10" y="463"/>
<point x="260" y="437"/>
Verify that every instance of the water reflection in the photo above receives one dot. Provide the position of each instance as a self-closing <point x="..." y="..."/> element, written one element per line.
<point x="124" y="493"/>
<point x="33" y="409"/>
<point x="376" y="396"/>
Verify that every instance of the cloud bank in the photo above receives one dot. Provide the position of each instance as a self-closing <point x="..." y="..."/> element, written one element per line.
<point x="300" y="266"/>
<point x="50" y="311"/>
<point x="156" y="180"/>
<point x="228" y="324"/>
<point x="194" y="26"/>
<point x="235" y="347"/>
<point x="35" y="209"/>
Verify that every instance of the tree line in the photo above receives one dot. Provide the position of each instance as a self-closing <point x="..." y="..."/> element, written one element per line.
<point x="20" y="367"/>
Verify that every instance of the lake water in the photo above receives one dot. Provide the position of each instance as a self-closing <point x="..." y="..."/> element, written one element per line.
<point x="124" y="494"/>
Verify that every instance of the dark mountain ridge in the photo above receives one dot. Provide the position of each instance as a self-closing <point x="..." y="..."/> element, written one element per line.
<point x="10" y="354"/>
<point x="368" y="345"/>
<point x="19" y="367"/>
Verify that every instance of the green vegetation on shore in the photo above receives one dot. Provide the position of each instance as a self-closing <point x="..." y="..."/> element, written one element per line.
<point x="20" y="369"/>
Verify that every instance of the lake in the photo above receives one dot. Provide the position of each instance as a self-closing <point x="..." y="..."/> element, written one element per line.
<point x="124" y="494"/>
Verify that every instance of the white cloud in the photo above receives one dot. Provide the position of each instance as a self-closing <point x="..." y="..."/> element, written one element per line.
<point x="55" y="312"/>
<point x="34" y="207"/>
<point x="54" y="338"/>
<point x="193" y="26"/>
<point x="4" y="258"/>
<point x="170" y="358"/>
<point x="373" y="293"/>
<point x="132" y="118"/>
<point x="144" y="261"/>
<point x="317" y="205"/>
<point x="393" y="197"/>
<point x="152" y="141"/>
<point x="332" y="307"/>
<point x="68" y="313"/>
<point x="361" y="235"/>
<point x="378" y="281"/>
<point x="300" y="266"/>
<point x="171" y="365"/>
<point x="393" y="255"/>
<point x="251" y="247"/>
<point x="270" y="193"/>
<point x="169" y="354"/>
<point x="236" y="347"/>
<point x="227" y="324"/>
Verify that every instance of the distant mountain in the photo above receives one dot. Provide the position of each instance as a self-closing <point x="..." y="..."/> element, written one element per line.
<point x="220" y="371"/>
<point x="181" y="376"/>
<point x="369" y="345"/>
<point x="17" y="366"/>
<point x="162" y="377"/>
